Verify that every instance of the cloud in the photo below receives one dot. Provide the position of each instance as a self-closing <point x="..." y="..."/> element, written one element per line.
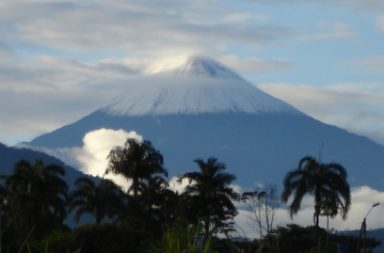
<point x="355" y="107"/>
<point x="97" y="25"/>
<point x="375" y="63"/>
<point x="362" y="199"/>
<point x="96" y="146"/>
<point x="34" y="91"/>
<point x="91" y="157"/>
<point x="380" y="23"/>
<point x="177" y="186"/>
<point x="357" y="5"/>
<point x="327" y="31"/>
<point x="251" y="65"/>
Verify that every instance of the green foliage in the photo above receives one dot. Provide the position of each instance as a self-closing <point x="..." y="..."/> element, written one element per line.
<point x="183" y="240"/>
<point x="56" y="242"/>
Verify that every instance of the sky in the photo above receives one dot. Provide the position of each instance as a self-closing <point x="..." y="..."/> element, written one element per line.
<point x="60" y="60"/>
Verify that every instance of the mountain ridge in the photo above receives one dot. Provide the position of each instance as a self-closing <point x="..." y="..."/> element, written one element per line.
<point x="11" y="155"/>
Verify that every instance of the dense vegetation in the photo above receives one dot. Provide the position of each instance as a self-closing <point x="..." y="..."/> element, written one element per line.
<point x="36" y="204"/>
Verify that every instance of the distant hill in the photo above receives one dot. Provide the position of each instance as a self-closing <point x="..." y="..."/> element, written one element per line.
<point x="9" y="156"/>
<point x="377" y="234"/>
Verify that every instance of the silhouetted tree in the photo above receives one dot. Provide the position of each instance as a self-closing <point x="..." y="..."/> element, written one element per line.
<point x="160" y="200"/>
<point x="263" y="203"/>
<point x="36" y="197"/>
<point x="137" y="162"/>
<point x="208" y="196"/>
<point x="326" y="182"/>
<point x="102" y="200"/>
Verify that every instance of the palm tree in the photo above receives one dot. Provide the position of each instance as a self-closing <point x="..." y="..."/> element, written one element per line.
<point x="326" y="182"/>
<point x="36" y="195"/>
<point x="103" y="199"/>
<point x="137" y="162"/>
<point x="209" y="196"/>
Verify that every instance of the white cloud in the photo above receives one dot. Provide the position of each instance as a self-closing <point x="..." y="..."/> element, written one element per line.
<point x="177" y="186"/>
<point x="362" y="199"/>
<point x="91" y="157"/>
<point x="97" y="145"/>
<point x="355" y="107"/>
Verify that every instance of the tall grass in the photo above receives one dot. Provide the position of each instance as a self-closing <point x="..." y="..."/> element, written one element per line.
<point x="183" y="240"/>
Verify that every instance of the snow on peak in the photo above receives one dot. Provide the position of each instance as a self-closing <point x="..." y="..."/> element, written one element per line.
<point x="192" y="86"/>
<point x="197" y="66"/>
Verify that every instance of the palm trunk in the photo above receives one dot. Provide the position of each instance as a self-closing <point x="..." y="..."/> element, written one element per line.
<point x="317" y="207"/>
<point x="135" y="186"/>
<point x="98" y="218"/>
<point x="206" y="231"/>
<point x="316" y="216"/>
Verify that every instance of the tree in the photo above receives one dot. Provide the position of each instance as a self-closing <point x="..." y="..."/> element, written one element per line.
<point x="161" y="201"/>
<point x="209" y="196"/>
<point x="326" y="182"/>
<point x="102" y="200"/>
<point x="263" y="203"/>
<point x="137" y="162"/>
<point x="36" y="197"/>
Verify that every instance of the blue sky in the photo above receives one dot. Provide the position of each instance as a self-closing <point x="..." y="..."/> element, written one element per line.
<point x="59" y="59"/>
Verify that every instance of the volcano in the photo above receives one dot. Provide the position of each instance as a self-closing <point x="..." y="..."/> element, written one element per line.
<point x="197" y="107"/>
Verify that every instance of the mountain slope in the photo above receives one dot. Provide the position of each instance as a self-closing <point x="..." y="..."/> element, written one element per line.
<point x="9" y="156"/>
<point x="198" y="108"/>
<point x="257" y="148"/>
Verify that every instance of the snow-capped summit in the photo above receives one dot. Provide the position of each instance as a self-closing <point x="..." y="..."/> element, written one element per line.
<point x="193" y="85"/>
<point x="193" y="66"/>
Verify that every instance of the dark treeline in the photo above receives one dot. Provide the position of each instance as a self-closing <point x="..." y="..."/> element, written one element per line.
<point x="36" y="204"/>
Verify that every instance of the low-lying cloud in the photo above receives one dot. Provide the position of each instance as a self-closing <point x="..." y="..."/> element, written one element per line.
<point x="362" y="199"/>
<point x="92" y="157"/>
<point x="97" y="145"/>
